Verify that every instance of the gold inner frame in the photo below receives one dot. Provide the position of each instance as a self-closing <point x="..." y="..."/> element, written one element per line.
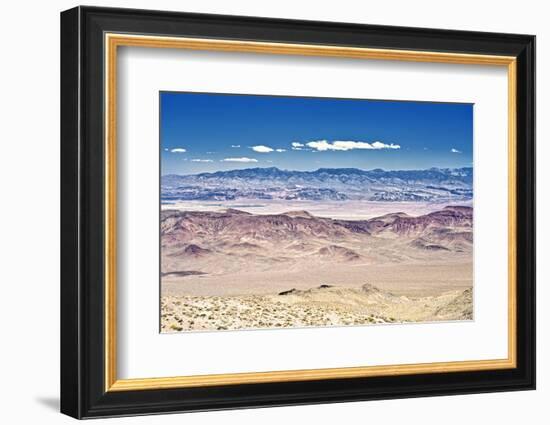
<point x="113" y="41"/>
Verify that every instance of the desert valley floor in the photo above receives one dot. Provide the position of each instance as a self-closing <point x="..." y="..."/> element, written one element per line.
<point x="246" y="266"/>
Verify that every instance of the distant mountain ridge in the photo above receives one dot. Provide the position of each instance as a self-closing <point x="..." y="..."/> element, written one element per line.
<point x="464" y="174"/>
<point x="434" y="184"/>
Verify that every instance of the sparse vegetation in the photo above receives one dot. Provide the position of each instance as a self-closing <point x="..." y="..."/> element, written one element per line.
<point x="326" y="305"/>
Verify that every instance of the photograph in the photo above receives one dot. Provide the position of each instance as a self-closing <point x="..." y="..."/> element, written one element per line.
<point x="293" y="212"/>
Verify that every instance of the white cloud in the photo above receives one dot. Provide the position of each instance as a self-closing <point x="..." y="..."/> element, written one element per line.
<point x="166" y="149"/>
<point x="242" y="159"/>
<point x="262" y="149"/>
<point x="235" y="146"/>
<point x="201" y="160"/>
<point x="178" y="150"/>
<point x="346" y="145"/>
<point x="297" y="146"/>
<point x="280" y="150"/>
<point x="453" y="150"/>
<point x="380" y="145"/>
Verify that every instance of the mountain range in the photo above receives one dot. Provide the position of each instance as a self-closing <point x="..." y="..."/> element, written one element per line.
<point x="199" y="235"/>
<point x="330" y="184"/>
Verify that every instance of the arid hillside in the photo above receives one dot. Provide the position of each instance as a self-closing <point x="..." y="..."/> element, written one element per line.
<point x="216" y="243"/>
<point x="322" y="306"/>
<point x="396" y="267"/>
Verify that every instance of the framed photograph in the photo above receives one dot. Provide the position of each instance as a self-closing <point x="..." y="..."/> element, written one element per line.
<point x="261" y="212"/>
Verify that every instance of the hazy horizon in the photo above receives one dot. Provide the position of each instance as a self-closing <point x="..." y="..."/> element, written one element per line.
<point x="317" y="169"/>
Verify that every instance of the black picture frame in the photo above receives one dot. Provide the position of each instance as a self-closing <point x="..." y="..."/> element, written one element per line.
<point x="83" y="392"/>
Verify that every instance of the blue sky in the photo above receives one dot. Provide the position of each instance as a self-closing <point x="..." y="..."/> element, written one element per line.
<point x="203" y="132"/>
